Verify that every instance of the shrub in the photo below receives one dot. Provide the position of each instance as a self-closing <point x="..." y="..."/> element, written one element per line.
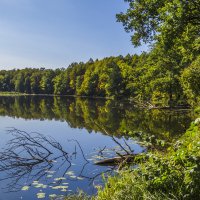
<point x="171" y="175"/>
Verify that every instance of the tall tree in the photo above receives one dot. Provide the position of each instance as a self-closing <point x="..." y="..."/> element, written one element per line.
<point x="19" y="83"/>
<point x="151" y="20"/>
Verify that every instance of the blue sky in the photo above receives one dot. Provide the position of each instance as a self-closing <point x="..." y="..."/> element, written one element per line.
<point x="55" y="33"/>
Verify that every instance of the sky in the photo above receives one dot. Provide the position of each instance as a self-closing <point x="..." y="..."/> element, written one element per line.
<point x="55" y="33"/>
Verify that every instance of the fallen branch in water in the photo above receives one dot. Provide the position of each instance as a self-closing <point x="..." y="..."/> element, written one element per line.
<point x="121" y="162"/>
<point x="116" y="160"/>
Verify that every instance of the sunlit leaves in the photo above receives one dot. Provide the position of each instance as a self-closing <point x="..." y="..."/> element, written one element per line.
<point x="152" y="20"/>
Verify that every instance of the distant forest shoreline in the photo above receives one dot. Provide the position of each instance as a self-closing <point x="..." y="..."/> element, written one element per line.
<point x="140" y="78"/>
<point x="10" y="94"/>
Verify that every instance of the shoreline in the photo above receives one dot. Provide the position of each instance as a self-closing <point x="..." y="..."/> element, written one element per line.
<point x="130" y="100"/>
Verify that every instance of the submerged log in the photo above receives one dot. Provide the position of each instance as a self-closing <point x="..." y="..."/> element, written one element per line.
<point x="116" y="160"/>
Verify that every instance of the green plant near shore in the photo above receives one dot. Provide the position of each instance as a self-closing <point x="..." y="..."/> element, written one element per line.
<point x="197" y="110"/>
<point x="79" y="196"/>
<point x="172" y="175"/>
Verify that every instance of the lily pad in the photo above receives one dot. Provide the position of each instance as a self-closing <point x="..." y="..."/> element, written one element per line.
<point x="25" y="188"/>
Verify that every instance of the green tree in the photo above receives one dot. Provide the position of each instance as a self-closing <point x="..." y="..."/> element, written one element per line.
<point x="167" y="19"/>
<point x="113" y="85"/>
<point x="190" y="80"/>
<point x="27" y="85"/>
<point x="35" y="82"/>
<point x="46" y="83"/>
<point x="59" y="86"/>
<point x="19" y="83"/>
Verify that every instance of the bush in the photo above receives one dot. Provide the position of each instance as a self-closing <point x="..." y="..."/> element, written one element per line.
<point x="79" y="196"/>
<point x="197" y="110"/>
<point x="171" y="175"/>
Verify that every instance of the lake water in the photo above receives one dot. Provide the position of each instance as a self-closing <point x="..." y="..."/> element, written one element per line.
<point x="49" y="144"/>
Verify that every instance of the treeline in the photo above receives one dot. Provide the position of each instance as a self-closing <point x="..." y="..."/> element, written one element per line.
<point x="149" y="77"/>
<point x="168" y="74"/>
<point x="106" y="78"/>
<point x="99" y="115"/>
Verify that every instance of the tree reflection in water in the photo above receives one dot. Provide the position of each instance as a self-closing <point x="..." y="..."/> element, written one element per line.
<point x="117" y="116"/>
<point x="31" y="157"/>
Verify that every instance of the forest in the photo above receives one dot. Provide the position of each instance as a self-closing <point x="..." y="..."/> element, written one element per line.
<point x="153" y="77"/>
<point x="167" y="75"/>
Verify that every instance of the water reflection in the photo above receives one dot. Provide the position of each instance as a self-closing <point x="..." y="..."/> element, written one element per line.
<point x="62" y="165"/>
<point x="118" y="118"/>
<point x="32" y="160"/>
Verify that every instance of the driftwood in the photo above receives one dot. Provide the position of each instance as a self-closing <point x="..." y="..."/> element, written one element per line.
<point x="172" y="107"/>
<point x="121" y="159"/>
<point x="116" y="160"/>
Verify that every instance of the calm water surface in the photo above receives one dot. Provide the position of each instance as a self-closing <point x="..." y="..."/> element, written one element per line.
<point x="77" y="132"/>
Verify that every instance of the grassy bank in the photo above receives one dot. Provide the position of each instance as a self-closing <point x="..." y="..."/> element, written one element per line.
<point x="174" y="174"/>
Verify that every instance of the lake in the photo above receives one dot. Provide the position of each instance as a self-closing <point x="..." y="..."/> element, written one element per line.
<point x="49" y="144"/>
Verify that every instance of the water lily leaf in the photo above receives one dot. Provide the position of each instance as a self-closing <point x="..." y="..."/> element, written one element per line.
<point x="59" y="179"/>
<point x="40" y="185"/>
<point x="35" y="182"/>
<point x="25" y="188"/>
<point x="73" y="176"/>
<point x="52" y="195"/>
<point x="60" y="187"/>
<point x="50" y="172"/>
<point x="41" y="195"/>
<point x="70" y="173"/>
<point x="80" y="178"/>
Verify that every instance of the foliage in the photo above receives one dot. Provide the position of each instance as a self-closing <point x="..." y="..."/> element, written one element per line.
<point x="79" y="196"/>
<point x="146" y="78"/>
<point x="173" y="28"/>
<point x="160" y="19"/>
<point x="173" y="175"/>
<point x="197" y="110"/>
<point x="190" y="82"/>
